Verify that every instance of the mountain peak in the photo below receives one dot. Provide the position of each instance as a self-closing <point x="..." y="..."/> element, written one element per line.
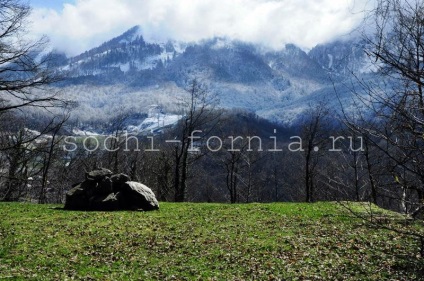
<point x="128" y="36"/>
<point x="132" y="31"/>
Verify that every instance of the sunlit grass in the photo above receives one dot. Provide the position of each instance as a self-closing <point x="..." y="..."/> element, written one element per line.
<point x="281" y="241"/>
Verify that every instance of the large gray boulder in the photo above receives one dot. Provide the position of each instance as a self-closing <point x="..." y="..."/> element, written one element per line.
<point x="99" y="174"/>
<point x="105" y="203"/>
<point x="103" y="191"/>
<point x="118" y="181"/>
<point x="76" y="199"/>
<point x="138" y="196"/>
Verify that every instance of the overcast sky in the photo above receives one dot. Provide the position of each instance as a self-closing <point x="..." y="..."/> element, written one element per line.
<point x="77" y="25"/>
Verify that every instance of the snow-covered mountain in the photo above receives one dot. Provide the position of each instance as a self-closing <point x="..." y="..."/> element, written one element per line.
<point x="131" y="73"/>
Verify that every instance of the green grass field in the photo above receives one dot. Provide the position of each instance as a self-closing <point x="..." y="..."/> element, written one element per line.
<point x="283" y="241"/>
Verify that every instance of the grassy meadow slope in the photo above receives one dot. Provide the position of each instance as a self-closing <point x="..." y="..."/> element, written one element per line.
<point x="281" y="241"/>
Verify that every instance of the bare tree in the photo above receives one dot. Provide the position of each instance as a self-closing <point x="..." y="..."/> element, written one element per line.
<point x="51" y="154"/>
<point x="198" y="114"/>
<point x="314" y="127"/>
<point x="398" y="50"/>
<point x="397" y="106"/>
<point x="116" y="142"/>
<point x="24" y="74"/>
<point x="231" y="159"/>
<point x="19" y="166"/>
<point x="23" y="68"/>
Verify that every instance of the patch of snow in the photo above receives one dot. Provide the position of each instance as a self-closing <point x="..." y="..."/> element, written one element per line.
<point x="65" y="68"/>
<point x="154" y="123"/>
<point x="125" y="67"/>
<point x="79" y="132"/>
<point x="330" y="63"/>
<point x="179" y="47"/>
<point x="152" y="61"/>
<point x="222" y="44"/>
<point x="32" y="132"/>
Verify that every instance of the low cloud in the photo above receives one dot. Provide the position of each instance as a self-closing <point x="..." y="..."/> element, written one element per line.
<point x="272" y="23"/>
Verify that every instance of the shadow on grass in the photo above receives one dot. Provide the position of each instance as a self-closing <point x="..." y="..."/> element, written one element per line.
<point x="108" y="211"/>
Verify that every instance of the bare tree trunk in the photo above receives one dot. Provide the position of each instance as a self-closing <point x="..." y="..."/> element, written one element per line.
<point x="370" y="174"/>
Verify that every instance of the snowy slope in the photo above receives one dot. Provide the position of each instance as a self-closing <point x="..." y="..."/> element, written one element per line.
<point x="128" y="73"/>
